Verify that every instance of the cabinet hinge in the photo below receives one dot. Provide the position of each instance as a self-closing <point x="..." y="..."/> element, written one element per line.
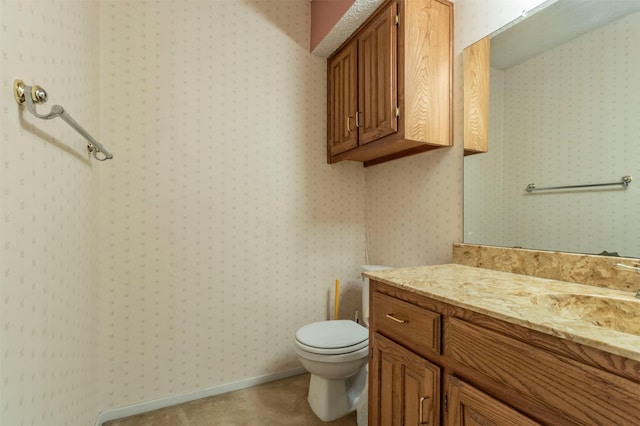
<point x="446" y="402"/>
<point x="397" y="112"/>
<point x="397" y="19"/>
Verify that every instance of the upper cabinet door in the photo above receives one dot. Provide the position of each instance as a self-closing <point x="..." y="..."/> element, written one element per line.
<point x="378" y="90"/>
<point x="343" y="73"/>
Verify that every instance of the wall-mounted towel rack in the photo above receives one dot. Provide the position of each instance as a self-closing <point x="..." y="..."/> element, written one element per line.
<point x="625" y="181"/>
<point x="32" y="95"/>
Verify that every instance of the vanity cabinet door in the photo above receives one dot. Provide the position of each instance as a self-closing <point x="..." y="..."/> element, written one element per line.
<point x="404" y="387"/>
<point x="467" y="406"/>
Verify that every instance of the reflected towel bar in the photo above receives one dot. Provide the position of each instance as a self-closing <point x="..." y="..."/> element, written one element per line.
<point x="32" y="95"/>
<point x="635" y="267"/>
<point x="625" y="181"/>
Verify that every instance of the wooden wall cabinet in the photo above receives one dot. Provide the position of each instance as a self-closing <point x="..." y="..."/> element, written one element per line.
<point x="390" y="84"/>
<point x="434" y="363"/>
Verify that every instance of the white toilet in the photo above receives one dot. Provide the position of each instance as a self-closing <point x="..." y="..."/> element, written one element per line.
<point x="336" y="353"/>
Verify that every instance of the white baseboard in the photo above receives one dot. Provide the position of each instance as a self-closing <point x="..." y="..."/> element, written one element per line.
<point x="143" y="407"/>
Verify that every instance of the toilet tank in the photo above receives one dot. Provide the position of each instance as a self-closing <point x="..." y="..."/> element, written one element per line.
<point x="365" y="290"/>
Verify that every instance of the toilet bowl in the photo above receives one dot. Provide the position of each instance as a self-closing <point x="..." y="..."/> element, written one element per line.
<point x="336" y="353"/>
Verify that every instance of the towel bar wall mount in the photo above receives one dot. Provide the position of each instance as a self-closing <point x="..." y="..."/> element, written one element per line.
<point x="30" y="96"/>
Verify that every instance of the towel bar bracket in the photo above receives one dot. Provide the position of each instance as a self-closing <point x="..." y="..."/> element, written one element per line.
<point x="38" y="94"/>
<point x="30" y="96"/>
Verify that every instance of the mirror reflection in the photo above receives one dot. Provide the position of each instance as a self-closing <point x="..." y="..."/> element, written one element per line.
<point x="564" y="110"/>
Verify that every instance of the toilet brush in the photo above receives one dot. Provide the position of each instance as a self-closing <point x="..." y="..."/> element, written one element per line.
<point x="336" y="302"/>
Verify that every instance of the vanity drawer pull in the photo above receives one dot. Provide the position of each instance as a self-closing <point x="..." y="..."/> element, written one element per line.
<point x="416" y="328"/>
<point x="421" y="414"/>
<point x="401" y="321"/>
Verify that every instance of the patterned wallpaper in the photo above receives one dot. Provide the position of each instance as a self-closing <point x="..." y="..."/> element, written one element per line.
<point x="415" y="204"/>
<point x="220" y="227"/>
<point x="558" y="133"/>
<point x="223" y="228"/>
<point x="49" y="205"/>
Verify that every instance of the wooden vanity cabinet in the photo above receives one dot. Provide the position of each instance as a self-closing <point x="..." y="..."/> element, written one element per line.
<point x="407" y="386"/>
<point x="468" y="406"/>
<point x="487" y="371"/>
<point x="390" y="85"/>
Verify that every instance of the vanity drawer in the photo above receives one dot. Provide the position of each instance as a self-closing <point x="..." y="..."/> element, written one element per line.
<point x="416" y="328"/>
<point x="585" y="395"/>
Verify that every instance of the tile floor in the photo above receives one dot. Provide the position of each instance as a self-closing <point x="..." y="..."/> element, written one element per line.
<point x="283" y="402"/>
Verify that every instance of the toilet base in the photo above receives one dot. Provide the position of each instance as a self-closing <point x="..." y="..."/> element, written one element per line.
<point x="331" y="399"/>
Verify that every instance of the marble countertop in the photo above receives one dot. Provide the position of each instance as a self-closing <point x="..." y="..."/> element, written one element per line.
<point x="545" y="305"/>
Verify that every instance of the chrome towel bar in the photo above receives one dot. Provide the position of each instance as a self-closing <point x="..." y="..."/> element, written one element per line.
<point x="32" y="95"/>
<point x="625" y="181"/>
<point x="635" y="267"/>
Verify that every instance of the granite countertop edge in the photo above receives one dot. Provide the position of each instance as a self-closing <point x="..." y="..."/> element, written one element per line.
<point x="513" y="298"/>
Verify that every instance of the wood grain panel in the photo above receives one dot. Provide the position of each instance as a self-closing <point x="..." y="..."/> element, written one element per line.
<point x="377" y="71"/>
<point x="421" y="397"/>
<point x="476" y="96"/>
<point x="387" y="396"/>
<point x="405" y="384"/>
<point x="343" y="101"/>
<point x="587" y="395"/>
<point x="470" y="407"/>
<point x="406" y="66"/>
<point x="428" y="71"/>
<point x="420" y="329"/>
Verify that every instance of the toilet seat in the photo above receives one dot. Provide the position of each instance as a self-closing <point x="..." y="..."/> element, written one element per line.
<point x="332" y="337"/>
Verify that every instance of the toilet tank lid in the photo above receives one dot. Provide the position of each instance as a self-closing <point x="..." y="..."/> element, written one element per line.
<point x="375" y="267"/>
<point x="332" y="334"/>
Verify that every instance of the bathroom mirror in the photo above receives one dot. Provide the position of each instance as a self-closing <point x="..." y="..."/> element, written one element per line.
<point x="563" y="110"/>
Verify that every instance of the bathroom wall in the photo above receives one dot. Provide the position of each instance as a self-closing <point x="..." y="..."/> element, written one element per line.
<point x="572" y="104"/>
<point x="414" y="210"/>
<point x="222" y="226"/>
<point x="49" y="223"/>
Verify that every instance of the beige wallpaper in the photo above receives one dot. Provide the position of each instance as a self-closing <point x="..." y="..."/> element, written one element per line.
<point x="49" y="228"/>
<point x="189" y="260"/>
<point x="415" y="204"/>
<point x="223" y="228"/>
<point x="558" y="133"/>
